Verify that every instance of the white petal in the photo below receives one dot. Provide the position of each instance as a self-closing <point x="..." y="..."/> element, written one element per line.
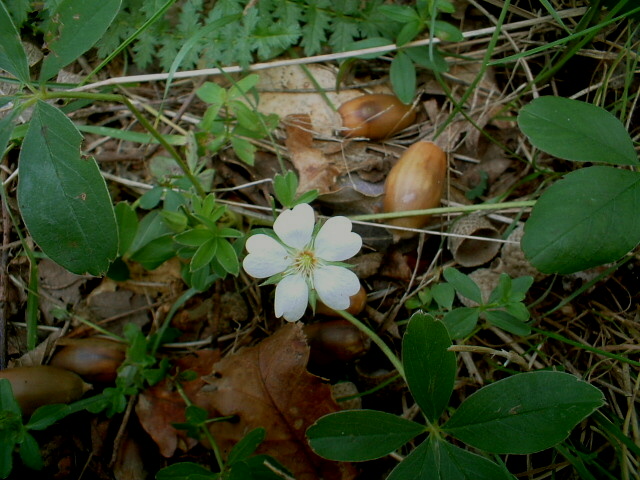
<point x="266" y="257"/>
<point x="335" y="240"/>
<point x="294" y="227"/>
<point x="335" y="285"/>
<point x="292" y="296"/>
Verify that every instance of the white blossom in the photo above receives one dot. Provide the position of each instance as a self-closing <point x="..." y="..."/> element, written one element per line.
<point x="305" y="263"/>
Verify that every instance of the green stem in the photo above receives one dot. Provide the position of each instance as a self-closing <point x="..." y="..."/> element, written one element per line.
<point x="434" y="211"/>
<point x="375" y="339"/>
<point x="110" y="97"/>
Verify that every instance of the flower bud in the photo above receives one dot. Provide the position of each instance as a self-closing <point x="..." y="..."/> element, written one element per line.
<point x="375" y="116"/>
<point x="415" y="183"/>
<point x="41" y="385"/>
<point x="94" y="359"/>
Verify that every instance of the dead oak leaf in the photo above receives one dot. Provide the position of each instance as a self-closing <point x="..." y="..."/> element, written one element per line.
<point x="268" y="386"/>
<point x="315" y="170"/>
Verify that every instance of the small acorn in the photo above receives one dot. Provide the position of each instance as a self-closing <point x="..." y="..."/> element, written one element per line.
<point x="335" y="341"/>
<point x="94" y="359"/>
<point x="41" y="385"/>
<point x="358" y="302"/>
<point x="415" y="182"/>
<point x="375" y="116"/>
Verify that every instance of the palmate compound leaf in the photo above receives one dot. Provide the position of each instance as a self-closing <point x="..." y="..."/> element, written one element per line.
<point x="524" y="413"/>
<point x="63" y="199"/>
<point x="435" y="459"/>
<point x="576" y="131"/>
<point x="588" y="218"/>
<point x="430" y="368"/>
<point x="360" y="435"/>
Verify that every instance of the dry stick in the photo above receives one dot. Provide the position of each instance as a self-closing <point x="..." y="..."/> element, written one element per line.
<point x="572" y="12"/>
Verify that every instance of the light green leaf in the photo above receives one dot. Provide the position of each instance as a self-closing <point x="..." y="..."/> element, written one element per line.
<point x="74" y="28"/>
<point x="524" y="413"/>
<point x="205" y="253"/>
<point x="244" y="149"/>
<point x="463" y="284"/>
<point x="227" y="257"/>
<point x="360" y="435"/>
<point x="588" y="218"/>
<point x="439" y="460"/>
<point x="62" y="196"/>
<point x="430" y="368"/>
<point x="13" y="58"/>
<point x="576" y="131"/>
<point x="403" y="77"/>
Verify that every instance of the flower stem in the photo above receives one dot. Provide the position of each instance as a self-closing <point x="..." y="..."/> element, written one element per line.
<point x="375" y="339"/>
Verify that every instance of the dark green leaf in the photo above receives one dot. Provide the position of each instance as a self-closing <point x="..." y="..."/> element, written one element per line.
<point x="247" y="446"/>
<point x="185" y="471"/>
<point x="444" y="294"/>
<point x="430" y="368"/>
<point x="447" y="32"/>
<point x="151" y="199"/>
<point x="6" y="453"/>
<point x="463" y="284"/>
<point x="13" y="58"/>
<point x="227" y="257"/>
<point x="74" y="28"/>
<point x="195" y="237"/>
<point x="524" y="413"/>
<point x="30" y="452"/>
<point x="507" y="322"/>
<point x="428" y="58"/>
<point x="244" y="149"/>
<point x="205" y="253"/>
<point x="371" y="42"/>
<point x="409" y="31"/>
<point x="359" y="435"/>
<point x="576" y="131"/>
<point x="460" y="322"/>
<point x="398" y="13"/>
<point x="7" y="400"/>
<point x="155" y="252"/>
<point x="47" y="415"/>
<point x="586" y="219"/>
<point x="63" y="198"/>
<point x="151" y="227"/>
<point x="439" y="460"/>
<point x="403" y="77"/>
<point x="127" y="221"/>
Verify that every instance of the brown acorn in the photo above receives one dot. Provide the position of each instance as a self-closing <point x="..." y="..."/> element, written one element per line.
<point x="335" y="341"/>
<point x="94" y="359"/>
<point x="415" y="183"/>
<point x="358" y="302"/>
<point x="41" y="385"/>
<point x="375" y="116"/>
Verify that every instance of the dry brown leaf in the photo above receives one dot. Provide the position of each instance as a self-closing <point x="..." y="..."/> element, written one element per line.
<point x="315" y="171"/>
<point x="160" y="406"/>
<point x="268" y="386"/>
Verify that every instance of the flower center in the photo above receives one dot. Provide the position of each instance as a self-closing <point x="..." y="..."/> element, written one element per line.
<point x="305" y="262"/>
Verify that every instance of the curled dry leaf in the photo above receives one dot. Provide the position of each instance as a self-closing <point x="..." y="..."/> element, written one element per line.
<point x="268" y="386"/>
<point x="315" y="171"/>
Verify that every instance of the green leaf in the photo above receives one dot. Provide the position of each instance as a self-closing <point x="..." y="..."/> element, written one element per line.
<point x="7" y="400"/>
<point x="371" y="42"/>
<point x="63" y="199"/>
<point x="30" y="452"/>
<point x="463" y="284"/>
<point x="228" y="257"/>
<point x="460" y="322"/>
<point x="127" y="221"/>
<point x="507" y="322"/>
<point x="185" y="471"/>
<point x="429" y="367"/>
<point x="205" y="253"/>
<point x="6" y="453"/>
<point x="156" y="252"/>
<point x="403" y="77"/>
<point x="436" y="459"/>
<point x="74" y="28"/>
<point x="194" y="237"/>
<point x="427" y="58"/>
<point x="13" y="58"/>
<point x="587" y="218"/>
<point x="410" y="31"/>
<point x="447" y="32"/>
<point x="246" y="446"/>
<point x="524" y="413"/>
<point x="47" y="415"/>
<point x="359" y="435"/>
<point x="576" y="131"/>
<point x="285" y="187"/>
<point x="244" y="149"/>
<point x="444" y="294"/>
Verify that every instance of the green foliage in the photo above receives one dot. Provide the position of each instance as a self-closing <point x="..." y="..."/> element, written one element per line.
<point x="521" y="414"/>
<point x="588" y="218"/>
<point x="229" y="119"/>
<point x="286" y="187"/>
<point x="503" y="308"/>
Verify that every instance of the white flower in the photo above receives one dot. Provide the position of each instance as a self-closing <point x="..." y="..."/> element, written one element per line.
<point x="306" y="262"/>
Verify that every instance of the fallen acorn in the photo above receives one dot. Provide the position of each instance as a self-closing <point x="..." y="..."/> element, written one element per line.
<point x="415" y="182"/>
<point x="375" y="116"/>
<point x="358" y="302"/>
<point x="94" y="359"/>
<point x="41" y="385"/>
<point x="335" y="341"/>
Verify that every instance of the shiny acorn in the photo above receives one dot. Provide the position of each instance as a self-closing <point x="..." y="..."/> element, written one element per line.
<point x="335" y="341"/>
<point x="415" y="182"/>
<point x="375" y="116"/>
<point x="41" y="385"/>
<point x="94" y="359"/>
